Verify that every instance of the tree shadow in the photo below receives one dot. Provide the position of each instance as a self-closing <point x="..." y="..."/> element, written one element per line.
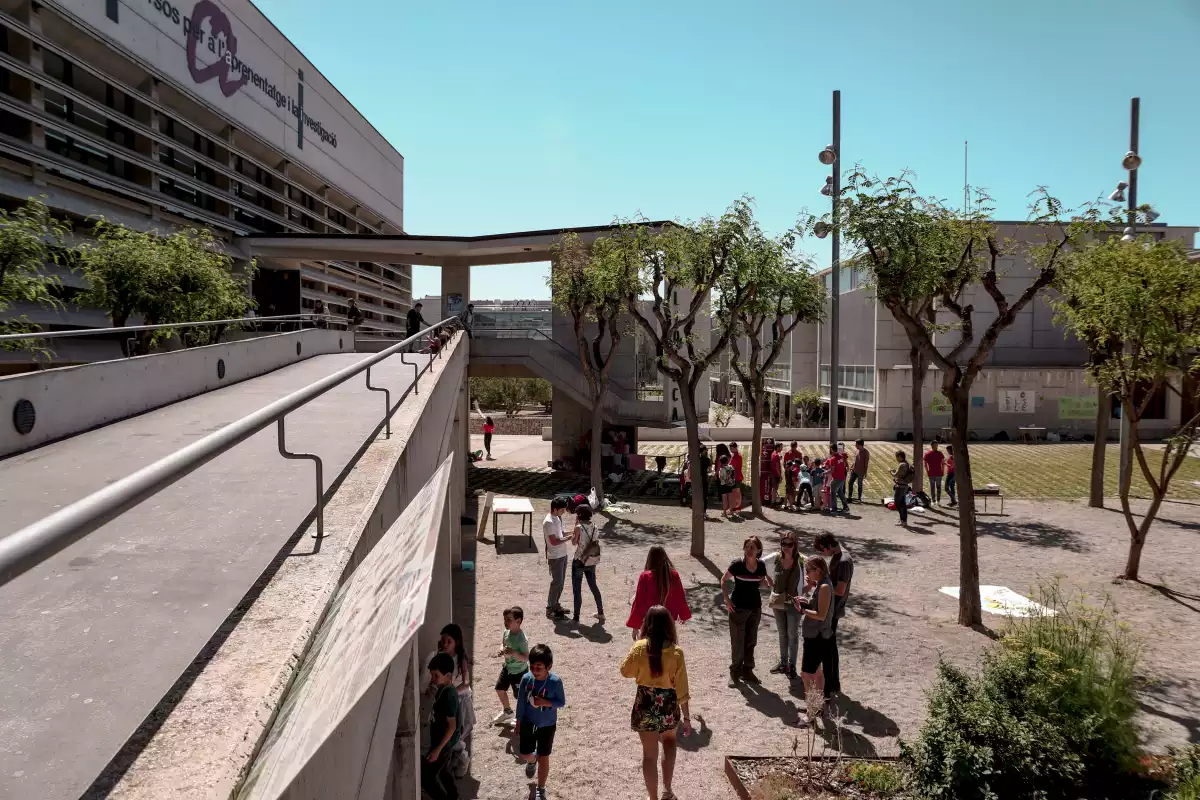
<point x="1176" y="701"/>
<point x="1177" y="597"/>
<point x="1035" y="534"/>
<point x="707" y="604"/>
<point x="874" y="549"/>
<point x="626" y="530"/>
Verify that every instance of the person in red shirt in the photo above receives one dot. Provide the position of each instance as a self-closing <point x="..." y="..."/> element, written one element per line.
<point x="950" y="486"/>
<point x="934" y="469"/>
<point x="836" y="466"/>
<point x="776" y="471"/>
<point x="489" y="427"/>
<point x="735" y="460"/>
<point x="658" y="585"/>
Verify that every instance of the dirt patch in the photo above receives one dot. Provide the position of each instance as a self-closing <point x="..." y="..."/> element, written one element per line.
<point x="897" y="625"/>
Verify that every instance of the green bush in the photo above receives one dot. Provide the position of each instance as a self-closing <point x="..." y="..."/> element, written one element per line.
<point x="1050" y="712"/>
<point x="882" y="779"/>
<point x="1185" y="773"/>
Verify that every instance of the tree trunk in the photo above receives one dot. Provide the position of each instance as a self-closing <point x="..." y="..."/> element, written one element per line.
<point x="970" y="611"/>
<point x="1139" y="530"/>
<point x="1103" y="418"/>
<point x="919" y="367"/>
<point x="699" y="479"/>
<point x="756" y="459"/>
<point x="597" y="438"/>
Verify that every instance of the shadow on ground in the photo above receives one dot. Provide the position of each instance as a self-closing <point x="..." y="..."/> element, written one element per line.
<point x="1034" y="534"/>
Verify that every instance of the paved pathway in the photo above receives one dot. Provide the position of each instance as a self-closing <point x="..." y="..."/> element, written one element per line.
<point x="92" y="639"/>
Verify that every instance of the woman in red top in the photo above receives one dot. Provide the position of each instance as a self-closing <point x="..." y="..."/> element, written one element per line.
<point x="658" y="585"/>
<point x="735" y="460"/>
<point x="489" y="427"/>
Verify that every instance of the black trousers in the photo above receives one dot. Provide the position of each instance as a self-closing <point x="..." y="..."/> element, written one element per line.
<point x="830" y="665"/>
<point x="436" y="779"/>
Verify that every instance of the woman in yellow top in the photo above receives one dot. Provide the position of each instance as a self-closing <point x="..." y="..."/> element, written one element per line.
<point x="656" y="663"/>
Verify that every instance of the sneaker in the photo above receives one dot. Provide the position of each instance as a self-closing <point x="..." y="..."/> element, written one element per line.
<point x="750" y="677"/>
<point x="791" y="672"/>
<point x="600" y="618"/>
<point x="539" y="793"/>
<point x="505" y="717"/>
<point x="733" y="679"/>
<point x="531" y="770"/>
<point x="779" y="669"/>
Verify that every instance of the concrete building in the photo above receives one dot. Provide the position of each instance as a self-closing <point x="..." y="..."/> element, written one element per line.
<point x="503" y="317"/>
<point x="161" y="115"/>
<point x="1034" y="375"/>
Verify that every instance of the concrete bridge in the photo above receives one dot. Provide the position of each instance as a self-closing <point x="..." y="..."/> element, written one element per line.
<point x="204" y="641"/>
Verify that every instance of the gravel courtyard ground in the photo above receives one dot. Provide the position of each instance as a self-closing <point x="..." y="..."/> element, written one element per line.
<point x="897" y="626"/>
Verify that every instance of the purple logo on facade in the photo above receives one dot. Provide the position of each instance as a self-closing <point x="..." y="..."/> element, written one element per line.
<point x="218" y="25"/>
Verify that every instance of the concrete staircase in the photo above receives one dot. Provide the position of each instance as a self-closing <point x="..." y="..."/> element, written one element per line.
<point x="545" y="358"/>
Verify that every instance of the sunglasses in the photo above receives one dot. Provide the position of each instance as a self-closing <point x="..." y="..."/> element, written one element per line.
<point x="787" y="544"/>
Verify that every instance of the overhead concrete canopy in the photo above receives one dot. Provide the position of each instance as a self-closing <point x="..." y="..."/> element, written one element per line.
<point x="502" y="248"/>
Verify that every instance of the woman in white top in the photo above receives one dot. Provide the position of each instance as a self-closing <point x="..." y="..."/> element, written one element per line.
<point x="585" y="537"/>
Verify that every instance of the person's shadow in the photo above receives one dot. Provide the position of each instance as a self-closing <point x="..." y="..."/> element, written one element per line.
<point x="574" y="630"/>
<point x="701" y="736"/>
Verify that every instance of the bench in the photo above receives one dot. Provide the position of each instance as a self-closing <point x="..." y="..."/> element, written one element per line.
<point x="1030" y="433"/>
<point x="986" y="492"/>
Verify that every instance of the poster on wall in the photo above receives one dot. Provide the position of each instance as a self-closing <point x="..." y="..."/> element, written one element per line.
<point x="1016" y="401"/>
<point x="1078" y="407"/>
<point x="939" y="405"/>
<point x="453" y="305"/>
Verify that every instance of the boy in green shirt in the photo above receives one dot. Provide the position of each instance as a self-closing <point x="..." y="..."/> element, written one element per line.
<point x="515" y="649"/>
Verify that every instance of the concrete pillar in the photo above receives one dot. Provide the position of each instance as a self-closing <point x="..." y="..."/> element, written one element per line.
<point x="456" y="288"/>
<point x="405" y="773"/>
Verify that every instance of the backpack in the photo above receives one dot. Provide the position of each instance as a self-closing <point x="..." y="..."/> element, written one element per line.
<point x="727" y="476"/>
<point x="591" y="553"/>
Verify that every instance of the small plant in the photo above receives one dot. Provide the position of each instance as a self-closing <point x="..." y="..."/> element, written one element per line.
<point x="1185" y="768"/>
<point x="882" y="779"/>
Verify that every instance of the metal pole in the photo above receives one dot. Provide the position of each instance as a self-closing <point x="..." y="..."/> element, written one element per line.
<point x="836" y="288"/>
<point x="1126" y="462"/>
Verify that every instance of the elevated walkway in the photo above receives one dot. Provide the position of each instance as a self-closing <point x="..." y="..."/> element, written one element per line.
<point x="542" y="357"/>
<point x="98" y="635"/>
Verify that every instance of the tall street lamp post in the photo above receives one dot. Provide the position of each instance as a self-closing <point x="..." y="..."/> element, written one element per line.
<point x="1130" y="162"/>
<point x="831" y="156"/>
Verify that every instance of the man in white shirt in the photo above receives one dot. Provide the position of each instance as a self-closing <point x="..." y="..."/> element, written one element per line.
<point x="556" y="556"/>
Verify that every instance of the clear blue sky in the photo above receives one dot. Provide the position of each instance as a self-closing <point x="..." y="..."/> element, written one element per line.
<point x="529" y="115"/>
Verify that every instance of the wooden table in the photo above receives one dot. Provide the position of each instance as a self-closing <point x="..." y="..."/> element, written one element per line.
<point x="1030" y="433"/>
<point x="986" y="492"/>
<point x="518" y="506"/>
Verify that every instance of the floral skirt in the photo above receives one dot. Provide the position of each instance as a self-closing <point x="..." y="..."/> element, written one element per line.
<point x="654" y="710"/>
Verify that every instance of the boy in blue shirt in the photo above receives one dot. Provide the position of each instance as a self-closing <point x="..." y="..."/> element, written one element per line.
<point x="539" y="697"/>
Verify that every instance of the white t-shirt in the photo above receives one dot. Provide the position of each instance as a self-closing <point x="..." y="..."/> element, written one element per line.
<point x="553" y="526"/>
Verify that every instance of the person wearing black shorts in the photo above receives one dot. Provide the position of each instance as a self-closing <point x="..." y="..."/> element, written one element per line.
<point x="816" y="608"/>
<point x="539" y="697"/>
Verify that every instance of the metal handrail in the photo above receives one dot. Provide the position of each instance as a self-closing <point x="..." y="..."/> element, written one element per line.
<point x="13" y="337"/>
<point x="33" y="544"/>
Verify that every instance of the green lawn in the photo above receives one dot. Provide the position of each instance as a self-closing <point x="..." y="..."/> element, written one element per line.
<point x="1042" y="471"/>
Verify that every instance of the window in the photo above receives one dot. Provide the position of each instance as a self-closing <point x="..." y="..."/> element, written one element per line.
<point x="856" y="384"/>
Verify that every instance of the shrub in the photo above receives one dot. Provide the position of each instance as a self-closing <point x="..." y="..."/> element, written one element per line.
<point x="881" y="779"/>
<point x="1050" y="711"/>
<point x="1185" y="773"/>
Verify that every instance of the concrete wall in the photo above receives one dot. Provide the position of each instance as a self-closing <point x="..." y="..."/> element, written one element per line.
<point x="69" y="400"/>
<point x="209" y="738"/>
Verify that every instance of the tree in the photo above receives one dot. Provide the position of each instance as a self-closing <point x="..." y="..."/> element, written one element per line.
<point x="877" y="217"/>
<point x="30" y="238"/>
<point x="539" y="392"/>
<point x="777" y="286"/>
<point x="677" y="267"/>
<point x="807" y="402"/>
<point x="592" y="292"/>
<point x="1139" y="304"/>
<point x="180" y="277"/>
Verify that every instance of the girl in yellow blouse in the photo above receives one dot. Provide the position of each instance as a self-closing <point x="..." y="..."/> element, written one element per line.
<point x="656" y="663"/>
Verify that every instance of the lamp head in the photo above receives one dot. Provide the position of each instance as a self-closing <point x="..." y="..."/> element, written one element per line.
<point x="1131" y="161"/>
<point x="821" y="230"/>
<point x="827" y="156"/>
<point x="1128" y="237"/>
<point x="1119" y="195"/>
<point x="1152" y="215"/>
<point x="827" y="189"/>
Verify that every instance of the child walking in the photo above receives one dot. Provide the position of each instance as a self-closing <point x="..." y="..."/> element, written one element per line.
<point x="539" y="697"/>
<point x="443" y="731"/>
<point x="452" y="645"/>
<point x="515" y="649"/>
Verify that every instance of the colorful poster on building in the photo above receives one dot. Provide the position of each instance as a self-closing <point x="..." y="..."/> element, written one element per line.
<point x="977" y="401"/>
<point x="453" y="306"/>
<point x="939" y="405"/>
<point x="1016" y="401"/>
<point x="1078" y="407"/>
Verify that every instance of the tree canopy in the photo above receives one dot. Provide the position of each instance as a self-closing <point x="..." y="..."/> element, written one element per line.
<point x="30" y="238"/>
